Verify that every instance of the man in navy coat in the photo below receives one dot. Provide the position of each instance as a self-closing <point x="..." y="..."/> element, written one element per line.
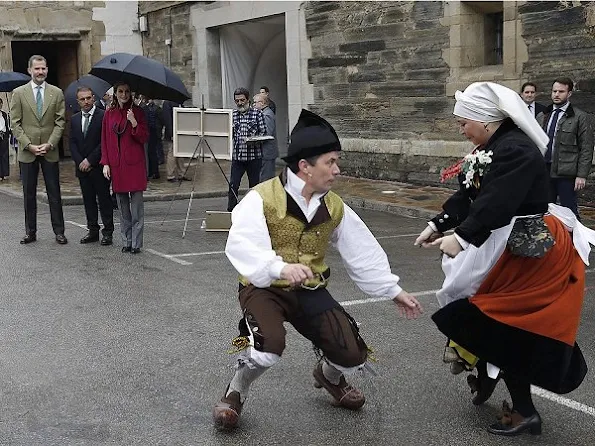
<point x="85" y="146"/>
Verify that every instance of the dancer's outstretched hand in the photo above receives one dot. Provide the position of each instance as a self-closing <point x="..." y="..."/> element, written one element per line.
<point x="449" y="245"/>
<point x="426" y="237"/>
<point x="408" y="305"/>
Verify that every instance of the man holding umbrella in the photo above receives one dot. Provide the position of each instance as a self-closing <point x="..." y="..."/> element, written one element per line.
<point x="37" y="112"/>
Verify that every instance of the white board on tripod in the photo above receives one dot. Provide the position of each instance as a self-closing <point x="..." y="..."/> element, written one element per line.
<point x="214" y="125"/>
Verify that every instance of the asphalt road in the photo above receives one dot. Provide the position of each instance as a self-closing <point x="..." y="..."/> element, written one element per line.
<point x="100" y="347"/>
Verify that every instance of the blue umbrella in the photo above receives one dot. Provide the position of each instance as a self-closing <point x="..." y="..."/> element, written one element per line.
<point x="143" y="75"/>
<point x="9" y="80"/>
<point x="97" y="86"/>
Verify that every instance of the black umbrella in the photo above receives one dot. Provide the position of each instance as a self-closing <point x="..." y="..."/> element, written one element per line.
<point x="143" y="75"/>
<point x="9" y="80"/>
<point x="97" y="86"/>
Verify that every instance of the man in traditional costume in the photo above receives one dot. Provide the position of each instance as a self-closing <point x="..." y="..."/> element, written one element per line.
<point x="514" y="282"/>
<point x="277" y="242"/>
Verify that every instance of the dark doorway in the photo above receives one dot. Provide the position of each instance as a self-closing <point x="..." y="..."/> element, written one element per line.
<point x="62" y="66"/>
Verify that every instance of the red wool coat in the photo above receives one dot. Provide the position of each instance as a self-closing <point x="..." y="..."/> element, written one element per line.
<point x="124" y="153"/>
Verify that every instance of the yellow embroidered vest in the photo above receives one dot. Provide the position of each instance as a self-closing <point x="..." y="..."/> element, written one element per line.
<point x="292" y="237"/>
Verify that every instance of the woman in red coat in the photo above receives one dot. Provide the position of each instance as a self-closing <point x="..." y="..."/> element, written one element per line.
<point x="123" y="136"/>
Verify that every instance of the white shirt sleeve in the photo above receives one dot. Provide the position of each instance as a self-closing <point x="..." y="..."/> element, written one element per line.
<point x="363" y="257"/>
<point x="249" y="247"/>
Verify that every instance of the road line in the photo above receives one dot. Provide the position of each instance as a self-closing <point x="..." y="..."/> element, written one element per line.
<point x="348" y="303"/>
<point x="76" y="224"/>
<point x="397" y="236"/>
<point x="191" y="254"/>
<point x="563" y="401"/>
<point x="168" y="257"/>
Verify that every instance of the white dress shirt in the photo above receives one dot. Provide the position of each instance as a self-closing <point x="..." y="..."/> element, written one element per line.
<point x="3" y="124"/>
<point x="531" y="108"/>
<point x="250" y="251"/>
<point x="549" y="123"/>
<point x="83" y="117"/>
<point x="34" y="87"/>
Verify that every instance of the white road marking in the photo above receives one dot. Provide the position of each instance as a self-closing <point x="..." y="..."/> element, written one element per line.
<point x="76" y="224"/>
<point x="575" y="405"/>
<point x="397" y="236"/>
<point x="348" y="303"/>
<point x="191" y="254"/>
<point x="168" y="257"/>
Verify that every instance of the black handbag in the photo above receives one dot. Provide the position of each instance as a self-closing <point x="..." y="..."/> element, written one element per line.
<point x="530" y="237"/>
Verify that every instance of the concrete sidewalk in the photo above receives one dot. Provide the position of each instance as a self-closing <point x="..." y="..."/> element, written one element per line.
<point x="388" y="196"/>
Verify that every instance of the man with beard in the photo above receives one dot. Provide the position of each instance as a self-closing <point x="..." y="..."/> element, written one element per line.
<point x="570" y="149"/>
<point x="246" y="157"/>
<point x="37" y="111"/>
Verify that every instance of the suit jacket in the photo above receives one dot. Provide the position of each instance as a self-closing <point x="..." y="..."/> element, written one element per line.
<point x="572" y="153"/>
<point x="29" y="129"/>
<point x="539" y="108"/>
<point x="89" y="146"/>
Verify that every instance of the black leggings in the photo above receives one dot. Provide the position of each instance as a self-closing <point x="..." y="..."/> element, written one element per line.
<point x="520" y="392"/>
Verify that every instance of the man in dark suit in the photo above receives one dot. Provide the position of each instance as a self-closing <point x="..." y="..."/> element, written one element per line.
<point x="528" y="91"/>
<point x="37" y="113"/>
<point x="85" y="146"/>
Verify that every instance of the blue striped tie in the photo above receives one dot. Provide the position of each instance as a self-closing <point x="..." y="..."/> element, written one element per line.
<point x="39" y="101"/>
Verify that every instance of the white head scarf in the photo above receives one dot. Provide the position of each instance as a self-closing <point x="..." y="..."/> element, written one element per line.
<point x="490" y="102"/>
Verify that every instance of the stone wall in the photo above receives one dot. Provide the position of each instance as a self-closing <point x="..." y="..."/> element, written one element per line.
<point x="561" y="41"/>
<point x="170" y="20"/>
<point x="379" y="75"/>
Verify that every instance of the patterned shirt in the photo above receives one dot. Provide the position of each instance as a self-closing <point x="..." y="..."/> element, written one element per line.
<point x="250" y="123"/>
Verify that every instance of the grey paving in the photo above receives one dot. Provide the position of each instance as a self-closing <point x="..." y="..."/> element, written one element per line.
<point x="103" y="348"/>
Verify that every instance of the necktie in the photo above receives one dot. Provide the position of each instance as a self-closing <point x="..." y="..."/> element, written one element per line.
<point x="86" y="123"/>
<point x="550" y="133"/>
<point x="39" y="101"/>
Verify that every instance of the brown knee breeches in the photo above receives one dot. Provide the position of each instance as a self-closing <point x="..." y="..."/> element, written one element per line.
<point x="314" y="314"/>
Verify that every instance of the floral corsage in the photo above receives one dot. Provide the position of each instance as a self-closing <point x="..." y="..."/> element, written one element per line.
<point x="473" y="166"/>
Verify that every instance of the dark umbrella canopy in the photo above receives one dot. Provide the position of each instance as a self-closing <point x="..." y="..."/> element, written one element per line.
<point x="97" y="86"/>
<point x="9" y="80"/>
<point x="143" y="75"/>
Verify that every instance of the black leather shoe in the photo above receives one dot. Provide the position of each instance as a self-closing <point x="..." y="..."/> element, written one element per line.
<point x="482" y="383"/>
<point x="126" y="248"/>
<point x="91" y="237"/>
<point x="516" y="424"/>
<point x="135" y="250"/>
<point x="61" y="239"/>
<point x="106" y="240"/>
<point x="29" y="238"/>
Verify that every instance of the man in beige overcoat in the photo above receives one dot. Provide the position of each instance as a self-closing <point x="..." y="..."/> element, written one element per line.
<point x="37" y="114"/>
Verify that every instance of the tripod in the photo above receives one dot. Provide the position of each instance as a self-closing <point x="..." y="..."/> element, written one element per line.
<point x="199" y="145"/>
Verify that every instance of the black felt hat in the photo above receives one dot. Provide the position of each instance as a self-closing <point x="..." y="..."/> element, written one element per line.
<point x="311" y="136"/>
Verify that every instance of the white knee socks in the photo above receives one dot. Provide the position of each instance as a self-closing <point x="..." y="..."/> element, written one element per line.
<point x="244" y="376"/>
<point x="331" y="373"/>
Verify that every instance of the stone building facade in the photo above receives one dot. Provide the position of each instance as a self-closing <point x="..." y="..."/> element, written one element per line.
<point x="71" y="35"/>
<point x="169" y="37"/>
<point x="384" y="73"/>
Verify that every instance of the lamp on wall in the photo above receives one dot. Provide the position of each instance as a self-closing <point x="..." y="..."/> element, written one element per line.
<point x="143" y="25"/>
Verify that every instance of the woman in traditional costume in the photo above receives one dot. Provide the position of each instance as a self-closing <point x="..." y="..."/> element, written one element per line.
<point x="514" y="267"/>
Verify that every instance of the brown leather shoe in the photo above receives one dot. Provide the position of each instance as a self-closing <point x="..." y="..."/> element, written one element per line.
<point x="344" y="394"/>
<point x="226" y="413"/>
